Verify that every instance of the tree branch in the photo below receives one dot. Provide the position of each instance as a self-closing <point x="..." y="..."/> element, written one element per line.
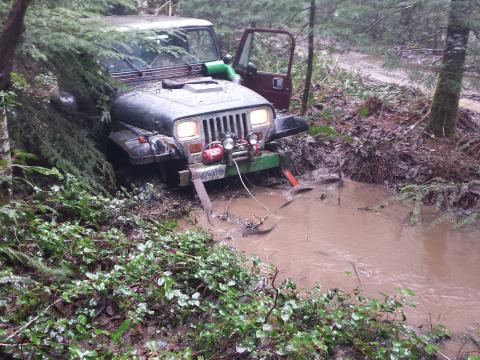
<point x="277" y="293"/>
<point x="376" y="22"/>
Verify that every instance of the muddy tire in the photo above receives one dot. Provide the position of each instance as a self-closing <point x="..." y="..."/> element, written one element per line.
<point x="124" y="171"/>
<point x="169" y="171"/>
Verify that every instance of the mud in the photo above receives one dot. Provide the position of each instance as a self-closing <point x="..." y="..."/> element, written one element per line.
<point x="351" y="237"/>
<point x="387" y="141"/>
<point x="373" y="67"/>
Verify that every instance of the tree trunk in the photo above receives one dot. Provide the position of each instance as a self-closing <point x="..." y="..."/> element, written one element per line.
<point x="443" y="116"/>
<point x="9" y="39"/>
<point x="311" y="53"/>
<point x="5" y="156"/>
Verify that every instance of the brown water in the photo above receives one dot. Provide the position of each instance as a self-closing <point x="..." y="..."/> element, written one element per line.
<point x="316" y="240"/>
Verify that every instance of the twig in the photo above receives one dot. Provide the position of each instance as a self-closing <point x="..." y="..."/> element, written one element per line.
<point x="460" y="350"/>
<point x="418" y="122"/>
<point x="228" y="204"/>
<point x="358" y="274"/>
<point x="403" y="8"/>
<point x="277" y="293"/>
<point x="295" y="15"/>
<point x="11" y="336"/>
<point x="443" y="355"/>
<point x="300" y="31"/>
<point x="13" y="345"/>
<point x="340" y="185"/>
<point x="261" y="222"/>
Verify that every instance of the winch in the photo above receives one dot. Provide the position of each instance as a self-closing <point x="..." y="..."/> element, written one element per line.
<point x="219" y="150"/>
<point x="213" y="153"/>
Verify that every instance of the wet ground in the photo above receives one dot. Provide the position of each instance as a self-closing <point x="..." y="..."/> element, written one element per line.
<point x="340" y="237"/>
<point x="373" y="67"/>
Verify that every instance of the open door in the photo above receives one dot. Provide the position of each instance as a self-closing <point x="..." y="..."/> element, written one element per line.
<point x="264" y="61"/>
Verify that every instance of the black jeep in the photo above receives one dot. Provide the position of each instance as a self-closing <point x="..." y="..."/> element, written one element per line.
<point x="189" y="106"/>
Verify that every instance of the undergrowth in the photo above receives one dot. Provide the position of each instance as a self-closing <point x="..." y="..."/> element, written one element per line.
<point x="84" y="276"/>
<point x="68" y="140"/>
<point x="447" y="196"/>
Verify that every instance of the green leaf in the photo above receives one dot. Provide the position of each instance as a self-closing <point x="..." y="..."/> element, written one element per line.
<point x="117" y="335"/>
<point x="356" y="316"/>
<point x="432" y="349"/>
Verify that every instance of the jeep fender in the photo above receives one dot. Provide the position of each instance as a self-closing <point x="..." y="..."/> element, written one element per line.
<point x="145" y="147"/>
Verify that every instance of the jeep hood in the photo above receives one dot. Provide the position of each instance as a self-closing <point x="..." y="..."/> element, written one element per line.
<point x="151" y="107"/>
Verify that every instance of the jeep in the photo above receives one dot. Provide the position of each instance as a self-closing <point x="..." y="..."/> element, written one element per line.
<point x="197" y="114"/>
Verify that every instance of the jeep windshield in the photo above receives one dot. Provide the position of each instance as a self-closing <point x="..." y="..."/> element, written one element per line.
<point x="166" y="49"/>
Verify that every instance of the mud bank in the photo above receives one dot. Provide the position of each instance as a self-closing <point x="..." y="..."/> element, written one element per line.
<point x="386" y="141"/>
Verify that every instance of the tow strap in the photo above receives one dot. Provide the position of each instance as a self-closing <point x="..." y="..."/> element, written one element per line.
<point x="203" y="196"/>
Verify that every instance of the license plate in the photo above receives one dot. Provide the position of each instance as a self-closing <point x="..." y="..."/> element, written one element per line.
<point x="210" y="173"/>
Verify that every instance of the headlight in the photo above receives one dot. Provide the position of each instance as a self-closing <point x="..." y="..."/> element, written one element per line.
<point x="260" y="118"/>
<point x="228" y="143"/>
<point x="188" y="130"/>
<point x="253" y="139"/>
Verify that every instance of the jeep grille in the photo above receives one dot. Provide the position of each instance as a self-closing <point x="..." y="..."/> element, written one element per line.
<point x="217" y="125"/>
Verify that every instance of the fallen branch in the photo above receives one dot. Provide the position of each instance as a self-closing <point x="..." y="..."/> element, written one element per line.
<point x="23" y="327"/>
<point x="358" y="274"/>
<point x="277" y="293"/>
<point x="260" y="223"/>
<point x="225" y="214"/>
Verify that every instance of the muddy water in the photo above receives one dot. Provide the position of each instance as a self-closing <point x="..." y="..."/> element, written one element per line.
<point x="352" y="244"/>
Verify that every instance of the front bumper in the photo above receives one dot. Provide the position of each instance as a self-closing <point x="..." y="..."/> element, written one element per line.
<point x="265" y="161"/>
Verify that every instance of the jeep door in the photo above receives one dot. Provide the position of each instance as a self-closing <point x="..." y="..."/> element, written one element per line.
<point x="264" y="61"/>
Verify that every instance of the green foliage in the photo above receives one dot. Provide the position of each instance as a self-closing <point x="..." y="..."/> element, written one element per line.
<point x="444" y="195"/>
<point x="230" y="16"/>
<point x="139" y="286"/>
<point x="62" y="140"/>
<point x="327" y="131"/>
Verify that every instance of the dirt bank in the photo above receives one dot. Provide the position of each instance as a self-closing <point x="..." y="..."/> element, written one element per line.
<point x="378" y="134"/>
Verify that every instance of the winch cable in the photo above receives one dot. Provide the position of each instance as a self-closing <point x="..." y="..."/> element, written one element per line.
<point x="248" y="191"/>
<point x="289" y="200"/>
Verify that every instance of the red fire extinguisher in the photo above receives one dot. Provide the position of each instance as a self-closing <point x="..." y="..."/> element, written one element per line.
<point x="213" y="154"/>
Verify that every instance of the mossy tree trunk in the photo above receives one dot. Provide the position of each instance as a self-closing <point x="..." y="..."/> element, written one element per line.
<point x="9" y="39"/>
<point x="311" y="54"/>
<point x="443" y="116"/>
<point x="5" y="157"/>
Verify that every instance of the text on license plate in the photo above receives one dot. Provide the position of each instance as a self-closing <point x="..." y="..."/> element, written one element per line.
<point x="208" y="174"/>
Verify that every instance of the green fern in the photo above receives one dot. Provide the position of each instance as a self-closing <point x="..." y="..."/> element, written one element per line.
<point x="18" y="258"/>
<point x="16" y="280"/>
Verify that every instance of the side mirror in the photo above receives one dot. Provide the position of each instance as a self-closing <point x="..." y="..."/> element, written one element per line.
<point x="251" y="68"/>
<point x="227" y="59"/>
